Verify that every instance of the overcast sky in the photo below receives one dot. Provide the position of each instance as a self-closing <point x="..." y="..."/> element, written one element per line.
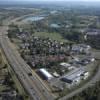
<point x="46" y="1"/>
<point x="51" y="0"/>
<point x="64" y="0"/>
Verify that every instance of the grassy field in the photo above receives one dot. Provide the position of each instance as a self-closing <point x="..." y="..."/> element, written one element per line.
<point x="53" y="36"/>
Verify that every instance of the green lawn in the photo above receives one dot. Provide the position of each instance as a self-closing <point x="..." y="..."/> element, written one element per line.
<point x="53" y="36"/>
<point x="3" y="87"/>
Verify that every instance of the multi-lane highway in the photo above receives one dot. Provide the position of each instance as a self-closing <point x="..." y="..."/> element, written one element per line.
<point x="34" y="86"/>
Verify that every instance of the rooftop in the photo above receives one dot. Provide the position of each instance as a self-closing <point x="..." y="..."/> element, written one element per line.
<point x="45" y="72"/>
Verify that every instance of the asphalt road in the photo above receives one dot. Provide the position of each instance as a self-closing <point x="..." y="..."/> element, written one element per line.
<point x="34" y="86"/>
<point x="94" y="79"/>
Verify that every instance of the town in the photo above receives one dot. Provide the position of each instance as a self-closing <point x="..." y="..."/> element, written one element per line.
<point x="49" y="50"/>
<point x="60" y="65"/>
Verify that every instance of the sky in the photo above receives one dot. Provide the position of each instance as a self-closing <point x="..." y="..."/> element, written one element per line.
<point x="51" y="0"/>
<point x="46" y="1"/>
<point x="64" y="0"/>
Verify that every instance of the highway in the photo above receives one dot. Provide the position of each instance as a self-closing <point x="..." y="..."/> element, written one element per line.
<point x="33" y="85"/>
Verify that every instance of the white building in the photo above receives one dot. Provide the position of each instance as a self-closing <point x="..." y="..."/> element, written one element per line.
<point x="81" y="48"/>
<point x="86" y="75"/>
<point x="67" y="65"/>
<point x="55" y="74"/>
<point x="45" y="74"/>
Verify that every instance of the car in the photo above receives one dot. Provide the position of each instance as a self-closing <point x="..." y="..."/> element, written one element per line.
<point x="30" y="74"/>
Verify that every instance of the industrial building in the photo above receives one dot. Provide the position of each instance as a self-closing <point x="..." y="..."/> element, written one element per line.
<point x="81" y="48"/>
<point x="67" y="65"/>
<point x="45" y="74"/>
<point x="75" y="76"/>
<point x="86" y="60"/>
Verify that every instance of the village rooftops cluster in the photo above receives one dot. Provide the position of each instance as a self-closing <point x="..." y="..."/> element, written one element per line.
<point x="93" y="32"/>
<point x="42" y="50"/>
<point x="56" y="60"/>
<point x="44" y="45"/>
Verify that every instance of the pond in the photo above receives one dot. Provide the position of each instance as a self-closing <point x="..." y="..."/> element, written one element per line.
<point x="34" y="18"/>
<point x="54" y="25"/>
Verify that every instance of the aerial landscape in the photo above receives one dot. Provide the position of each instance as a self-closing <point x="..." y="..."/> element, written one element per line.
<point x="49" y="50"/>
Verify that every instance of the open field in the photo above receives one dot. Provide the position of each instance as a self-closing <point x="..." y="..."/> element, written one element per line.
<point x="53" y="36"/>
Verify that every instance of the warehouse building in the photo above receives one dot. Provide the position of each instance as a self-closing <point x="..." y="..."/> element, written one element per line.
<point x="67" y="65"/>
<point x="45" y="74"/>
<point x="81" y="48"/>
<point x="75" y="76"/>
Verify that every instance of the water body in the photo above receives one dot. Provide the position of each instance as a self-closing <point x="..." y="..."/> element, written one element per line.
<point x="34" y="18"/>
<point x="54" y="25"/>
